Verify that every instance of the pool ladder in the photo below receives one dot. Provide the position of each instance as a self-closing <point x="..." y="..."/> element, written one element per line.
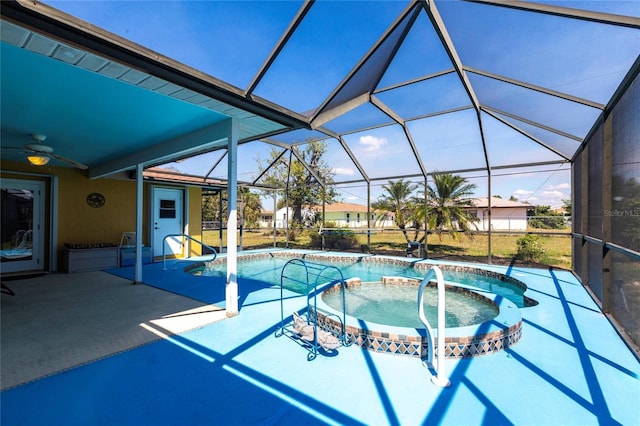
<point x="438" y="379"/>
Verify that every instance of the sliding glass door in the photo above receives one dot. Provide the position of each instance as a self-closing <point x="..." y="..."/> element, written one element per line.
<point x="22" y="226"/>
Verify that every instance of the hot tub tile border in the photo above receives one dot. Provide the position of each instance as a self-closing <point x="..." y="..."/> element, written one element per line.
<point x="402" y="344"/>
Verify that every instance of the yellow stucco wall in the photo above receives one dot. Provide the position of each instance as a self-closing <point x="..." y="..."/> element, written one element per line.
<point x="79" y="223"/>
<point x="195" y="219"/>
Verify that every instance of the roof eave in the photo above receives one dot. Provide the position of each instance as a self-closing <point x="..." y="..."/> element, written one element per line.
<point x="64" y="27"/>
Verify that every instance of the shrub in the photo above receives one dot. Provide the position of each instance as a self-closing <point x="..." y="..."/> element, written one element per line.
<point x="530" y="248"/>
<point x="549" y="222"/>
<point x="542" y="217"/>
<point x="339" y="239"/>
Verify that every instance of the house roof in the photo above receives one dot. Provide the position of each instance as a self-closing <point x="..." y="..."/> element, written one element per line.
<point x="342" y="207"/>
<point x="483" y="202"/>
<point x="334" y="207"/>
<point x="161" y="174"/>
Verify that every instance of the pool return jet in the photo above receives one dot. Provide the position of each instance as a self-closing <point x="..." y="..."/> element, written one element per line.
<point x="439" y="378"/>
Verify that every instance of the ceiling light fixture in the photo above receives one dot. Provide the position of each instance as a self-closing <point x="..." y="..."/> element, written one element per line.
<point x="38" y="159"/>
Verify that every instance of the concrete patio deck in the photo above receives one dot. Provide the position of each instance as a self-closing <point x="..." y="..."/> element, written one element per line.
<point x="570" y="367"/>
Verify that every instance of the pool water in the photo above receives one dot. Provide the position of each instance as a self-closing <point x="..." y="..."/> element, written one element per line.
<point x="396" y="305"/>
<point x="269" y="270"/>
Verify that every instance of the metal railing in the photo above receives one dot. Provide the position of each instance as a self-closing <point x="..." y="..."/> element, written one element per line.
<point x="440" y="378"/>
<point x="314" y="278"/>
<point x="188" y="237"/>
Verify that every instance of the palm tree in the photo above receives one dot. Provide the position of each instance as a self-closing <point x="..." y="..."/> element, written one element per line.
<point x="448" y="203"/>
<point x="398" y="199"/>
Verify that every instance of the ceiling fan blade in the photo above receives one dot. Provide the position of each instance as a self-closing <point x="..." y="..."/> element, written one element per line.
<point x="68" y="161"/>
<point x="14" y="148"/>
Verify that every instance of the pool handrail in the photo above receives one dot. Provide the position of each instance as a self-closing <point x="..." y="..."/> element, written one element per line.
<point x="188" y="237"/>
<point x="440" y="378"/>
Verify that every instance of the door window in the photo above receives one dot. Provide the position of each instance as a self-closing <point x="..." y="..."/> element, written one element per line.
<point x="167" y="209"/>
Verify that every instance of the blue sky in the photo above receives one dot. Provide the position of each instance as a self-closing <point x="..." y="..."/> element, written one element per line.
<point x="230" y="40"/>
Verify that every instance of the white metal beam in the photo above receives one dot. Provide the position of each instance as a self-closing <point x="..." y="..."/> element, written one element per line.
<point x="388" y="111"/>
<point x="415" y="80"/>
<point x="410" y="12"/>
<point x="527" y="135"/>
<point x="302" y="12"/>
<point x="341" y="109"/>
<point x="449" y="47"/>
<point x="565" y="12"/>
<point x="540" y="89"/>
<point x="533" y="123"/>
<point x="309" y="168"/>
<point x="179" y="147"/>
<point x="214" y="165"/>
<point x="231" y="288"/>
<point x="139" y="221"/>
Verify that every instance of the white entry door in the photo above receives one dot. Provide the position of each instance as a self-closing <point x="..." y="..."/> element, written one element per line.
<point x="167" y="220"/>
<point x="22" y="225"/>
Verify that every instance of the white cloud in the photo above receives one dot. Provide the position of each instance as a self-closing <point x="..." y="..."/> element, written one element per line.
<point x="552" y="198"/>
<point x="559" y="186"/>
<point x="544" y="198"/>
<point x="552" y="194"/>
<point x="522" y="193"/>
<point x="372" y="143"/>
<point x="343" y="171"/>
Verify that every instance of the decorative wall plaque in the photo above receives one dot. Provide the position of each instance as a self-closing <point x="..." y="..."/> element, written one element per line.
<point x="95" y="200"/>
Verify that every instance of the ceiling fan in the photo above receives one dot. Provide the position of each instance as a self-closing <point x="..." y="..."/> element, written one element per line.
<point x="39" y="154"/>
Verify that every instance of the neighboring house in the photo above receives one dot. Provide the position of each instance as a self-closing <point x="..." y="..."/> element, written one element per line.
<point x="281" y="217"/>
<point x="266" y="219"/>
<point x="343" y="215"/>
<point x="560" y="210"/>
<point x="506" y="215"/>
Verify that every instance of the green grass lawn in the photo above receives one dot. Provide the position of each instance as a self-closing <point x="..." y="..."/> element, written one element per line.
<point x="392" y="242"/>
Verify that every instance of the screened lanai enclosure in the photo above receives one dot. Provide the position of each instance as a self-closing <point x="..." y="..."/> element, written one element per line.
<point x="535" y="100"/>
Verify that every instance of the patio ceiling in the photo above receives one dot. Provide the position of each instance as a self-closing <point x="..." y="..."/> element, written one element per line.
<point x="395" y="89"/>
<point x="108" y="113"/>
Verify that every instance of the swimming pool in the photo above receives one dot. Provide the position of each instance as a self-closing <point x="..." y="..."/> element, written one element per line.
<point x="268" y="266"/>
<point x="505" y="293"/>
